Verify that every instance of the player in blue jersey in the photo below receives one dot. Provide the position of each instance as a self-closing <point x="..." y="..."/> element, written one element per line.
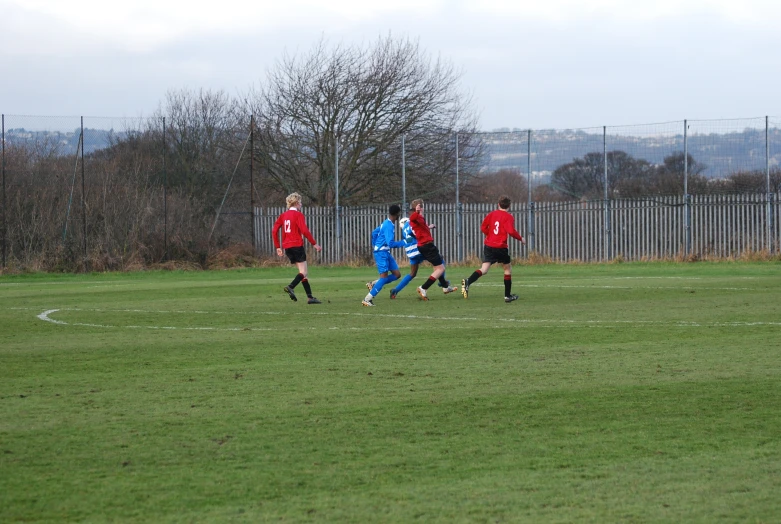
<point x="382" y="242"/>
<point x="415" y="258"/>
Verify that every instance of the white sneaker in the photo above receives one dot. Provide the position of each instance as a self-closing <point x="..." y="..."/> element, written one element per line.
<point x="449" y="289"/>
<point x="368" y="303"/>
<point x="422" y="293"/>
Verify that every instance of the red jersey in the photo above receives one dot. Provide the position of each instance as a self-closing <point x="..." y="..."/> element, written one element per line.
<point x="496" y="226"/>
<point x="292" y="224"/>
<point x="420" y="228"/>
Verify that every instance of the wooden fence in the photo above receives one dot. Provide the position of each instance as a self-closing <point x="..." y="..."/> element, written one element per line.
<point x="589" y="231"/>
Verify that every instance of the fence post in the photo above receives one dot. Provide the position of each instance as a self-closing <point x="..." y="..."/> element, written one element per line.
<point x="459" y="230"/>
<point x="770" y="224"/>
<point x="338" y="209"/>
<point x="769" y="221"/>
<point x="530" y="218"/>
<point x="608" y="233"/>
<point x="530" y="233"/>
<point x="686" y="195"/>
<point x="83" y="198"/>
<point x="252" y="182"/>
<point x="403" y="174"/>
<point x="166" y="254"/>
<point x="2" y="167"/>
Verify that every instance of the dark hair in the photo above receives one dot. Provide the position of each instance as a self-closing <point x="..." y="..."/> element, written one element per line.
<point x="394" y="210"/>
<point x="504" y="202"/>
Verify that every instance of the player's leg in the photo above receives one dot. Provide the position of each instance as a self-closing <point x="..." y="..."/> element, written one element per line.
<point x="471" y="279"/>
<point x="444" y="283"/>
<point x="431" y="254"/>
<point x="303" y="269"/>
<point x="413" y="272"/>
<point x="297" y="256"/>
<point x="389" y="273"/>
<point x="508" y="283"/>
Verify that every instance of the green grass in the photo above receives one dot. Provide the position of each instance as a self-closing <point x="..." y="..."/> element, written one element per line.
<point x="608" y="393"/>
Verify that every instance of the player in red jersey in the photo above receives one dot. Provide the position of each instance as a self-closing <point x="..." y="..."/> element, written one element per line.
<point x="292" y="224"/>
<point x="496" y="226"/>
<point x="427" y="249"/>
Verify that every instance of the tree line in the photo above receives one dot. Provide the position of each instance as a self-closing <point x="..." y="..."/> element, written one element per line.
<point x="334" y="115"/>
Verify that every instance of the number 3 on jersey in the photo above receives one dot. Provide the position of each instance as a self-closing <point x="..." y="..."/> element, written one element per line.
<point x="496" y="228"/>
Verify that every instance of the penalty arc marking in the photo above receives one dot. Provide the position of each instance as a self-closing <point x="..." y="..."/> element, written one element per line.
<point x="46" y="317"/>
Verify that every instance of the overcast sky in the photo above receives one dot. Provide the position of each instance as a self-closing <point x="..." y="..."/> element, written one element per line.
<point x="536" y="64"/>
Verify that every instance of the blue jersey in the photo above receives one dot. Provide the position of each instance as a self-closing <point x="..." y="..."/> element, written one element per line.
<point x="410" y="242"/>
<point x="382" y="237"/>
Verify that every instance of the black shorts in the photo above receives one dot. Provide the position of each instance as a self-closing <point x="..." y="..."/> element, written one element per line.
<point x="296" y="254"/>
<point x="493" y="255"/>
<point x="431" y="253"/>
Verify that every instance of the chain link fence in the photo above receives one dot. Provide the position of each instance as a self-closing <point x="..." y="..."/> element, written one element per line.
<point x="95" y="193"/>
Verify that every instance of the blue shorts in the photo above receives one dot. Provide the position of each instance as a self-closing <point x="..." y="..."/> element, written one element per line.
<point x="385" y="261"/>
<point x="417" y="259"/>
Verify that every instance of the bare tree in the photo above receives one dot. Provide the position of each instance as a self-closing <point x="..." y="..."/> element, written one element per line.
<point x="585" y="177"/>
<point x="204" y="136"/>
<point x="366" y="100"/>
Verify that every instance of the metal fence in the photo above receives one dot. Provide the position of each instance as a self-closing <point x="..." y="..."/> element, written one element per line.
<point x="719" y="226"/>
<point x="76" y="188"/>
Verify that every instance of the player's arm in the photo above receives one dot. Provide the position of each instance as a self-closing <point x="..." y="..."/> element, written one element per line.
<point x="275" y="232"/>
<point x="275" y="235"/>
<point x="485" y="226"/>
<point x="510" y="227"/>
<point x="387" y="233"/>
<point x="305" y="231"/>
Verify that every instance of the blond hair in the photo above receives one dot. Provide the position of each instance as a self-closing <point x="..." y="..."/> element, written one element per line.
<point x="415" y="203"/>
<point x="293" y="199"/>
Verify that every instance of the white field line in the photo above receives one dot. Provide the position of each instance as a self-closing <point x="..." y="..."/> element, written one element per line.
<point x="46" y="317"/>
<point x="674" y="288"/>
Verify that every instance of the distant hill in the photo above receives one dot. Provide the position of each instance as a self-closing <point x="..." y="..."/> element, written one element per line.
<point x="721" y="153"/>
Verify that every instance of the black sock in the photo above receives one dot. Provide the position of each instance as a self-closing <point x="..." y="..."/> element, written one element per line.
<point x="508" y="285"/>
<point x="474" y="276"/>
<point x="427" y="283"/>
<point x="308" y="289"/>
<point x="442" y="280"/>
<point x="296" y="280"/>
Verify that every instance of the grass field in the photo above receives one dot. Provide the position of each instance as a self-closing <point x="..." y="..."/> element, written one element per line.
<point x="607" y="393"/>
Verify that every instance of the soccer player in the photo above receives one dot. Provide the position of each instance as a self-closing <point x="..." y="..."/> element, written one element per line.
<point x="496" y="226"/>
<point x="415" y="258"/>
<point x="428" y="250"/>
<point x="292" y="224"/>
<point x="382" y="242"/>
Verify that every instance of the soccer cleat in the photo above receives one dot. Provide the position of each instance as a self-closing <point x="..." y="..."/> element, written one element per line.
<point x="290" y="293"/>
<point x="422" y="293"/>
<point x="313" y="300"/>
<point x="370" y="285"/>
<point x="465" y="288"/>
<point x="394" y="293"/>
<point x="449" y="289"/>
<point x="368" y="303"/>
<point x="510" y="298"/>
